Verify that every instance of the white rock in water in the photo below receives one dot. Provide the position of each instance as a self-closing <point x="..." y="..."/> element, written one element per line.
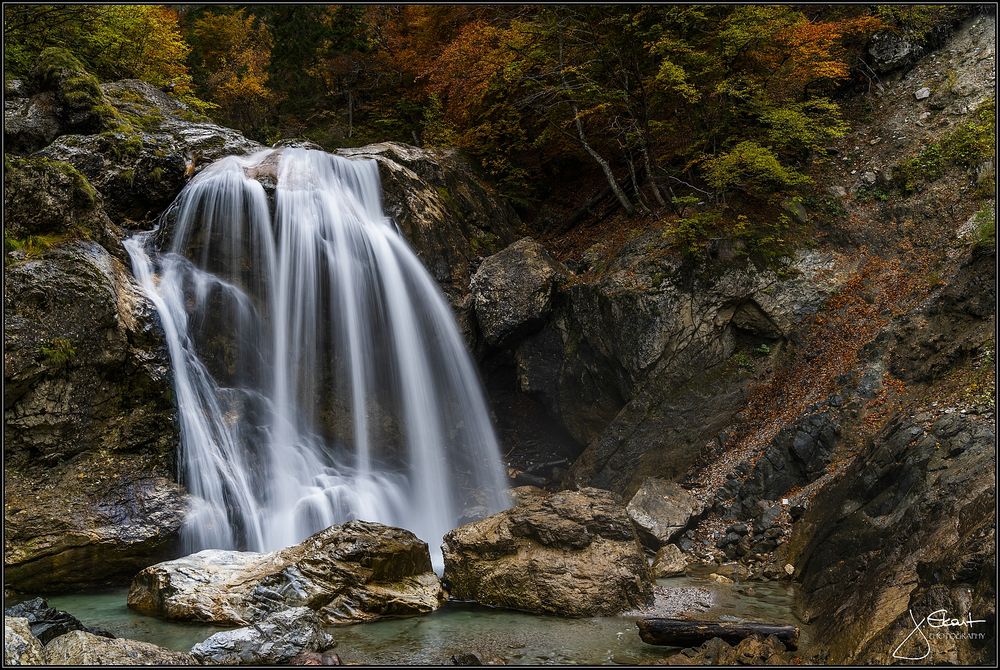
<point x="789" y="569"/>
<point x="922" y="94"/>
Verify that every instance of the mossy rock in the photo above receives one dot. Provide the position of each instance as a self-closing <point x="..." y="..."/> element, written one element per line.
<point x="82" y="105"/>
<point x="47" y="200"/>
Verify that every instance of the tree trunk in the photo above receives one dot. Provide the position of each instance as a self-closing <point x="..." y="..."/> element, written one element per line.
<point x="684" y="633"/>
<point x="651" y="177"/>
<point x="608" y="174"/>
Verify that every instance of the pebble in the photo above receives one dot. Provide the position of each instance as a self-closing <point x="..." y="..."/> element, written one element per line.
<point x="922" y="94"/>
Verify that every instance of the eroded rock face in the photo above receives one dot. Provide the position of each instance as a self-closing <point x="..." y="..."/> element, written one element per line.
<point x="572" y="553"/>
<point x="47" y="623"/>
<point x="910" y="528"/>
<point x="661" y="510"/>
<point x="89" y="422"/>
<point x="275" y="640"/>
<point x="358" y="571"/>
<point x="753" y="650"/>
<point x="20" y="647"/>
<point x="81" y="648"/>
<point x="512" y="291"/>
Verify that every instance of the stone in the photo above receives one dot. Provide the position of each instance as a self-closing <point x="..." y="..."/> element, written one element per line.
<point x="357" y="571"/>
<point x="890" y="51"/>
<point x="571" y="553"/>
<point x="275" y="640"/>
<point x="670" y="561"/>
<point x="721" y="579"/>
<point x="20" y="647"/>
<point x="789" y="569"/>
<point x="47" y="623"/>
<point x="512" y="291"/>
<point x="922" y="93"/>
<point x="661" y="511"/>
<point x="869" y="178"/>
<point x="467" y="658"/>
<point x="81" y="648"/>
<point x="753" y="650"/>
<point x="30" y="123"/>
<point x="837" y="191"/>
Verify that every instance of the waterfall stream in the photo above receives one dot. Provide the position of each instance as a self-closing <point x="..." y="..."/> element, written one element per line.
<point x="318" y="369"/>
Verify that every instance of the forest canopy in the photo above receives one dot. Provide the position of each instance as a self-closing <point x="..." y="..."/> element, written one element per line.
<point x="664" y="106"/>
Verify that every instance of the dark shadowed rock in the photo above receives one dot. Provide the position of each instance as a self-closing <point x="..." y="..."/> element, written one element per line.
<point x="571" y="553"/>
<point x="275" y="640"/>
<point x="358" y="571"/>
<point x="512" y="291"/>
<point x="47" y="623"/>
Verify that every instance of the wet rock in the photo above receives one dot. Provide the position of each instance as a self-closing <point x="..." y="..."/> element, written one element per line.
<point x="357" y="571"/>
<point x="512" y="291"/>
<point x="670" y="561"/>
<point x="277" y="639"/>
<point x="47" y="623"/>
<point x="721" y="579"/>
<point x="571" y="553"/>
<point x="20" y="647"/>
<point x="661" y="511"/>
<point x="81" y="648"/>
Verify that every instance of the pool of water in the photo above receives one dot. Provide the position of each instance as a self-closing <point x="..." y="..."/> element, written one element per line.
<point x="514" y="637"/>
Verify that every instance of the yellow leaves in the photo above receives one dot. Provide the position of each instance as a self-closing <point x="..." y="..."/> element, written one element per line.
<point x="674" y="78"/>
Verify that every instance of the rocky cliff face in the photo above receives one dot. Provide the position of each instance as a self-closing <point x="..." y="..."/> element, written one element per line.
<point x="835" y="419"/>
<point x="89" y="419"/>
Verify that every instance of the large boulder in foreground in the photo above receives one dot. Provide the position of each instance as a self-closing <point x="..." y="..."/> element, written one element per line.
<point x="82" y="648"/>
<point x="571" y="553"/>
<point x="20" y="647"/>
<point x="47" y="623"/>
<point x="662" y="510"/>
<point x="358" y="571"/>
<point x="512" y="290"/>
<point x="275" y="640"/>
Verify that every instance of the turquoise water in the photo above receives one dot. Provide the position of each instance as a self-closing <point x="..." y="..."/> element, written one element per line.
<point x="514" y="637"/>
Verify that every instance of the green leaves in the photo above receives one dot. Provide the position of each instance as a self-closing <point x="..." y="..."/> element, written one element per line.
<point x="752" y="169"/>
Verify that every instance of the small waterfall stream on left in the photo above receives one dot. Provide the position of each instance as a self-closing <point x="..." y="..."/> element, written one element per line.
<point x="319" y="372"/>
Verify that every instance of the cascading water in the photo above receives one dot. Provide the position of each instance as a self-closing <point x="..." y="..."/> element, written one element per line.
<point x="319" y="372"/>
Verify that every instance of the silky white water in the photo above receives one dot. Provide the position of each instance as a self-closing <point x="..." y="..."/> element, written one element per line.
<point x="318" y="370"/>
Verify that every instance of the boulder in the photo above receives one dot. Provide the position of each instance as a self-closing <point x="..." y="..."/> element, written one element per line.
<point x="512" y="291"/>
<point x="47" y="623"/>
<point x="275" y="640"/>
<point x="357" y="571"/>
<point x="661" y="511"/>
<point x="670" y="561"/>
<point x="20" y="647"/>
<point x="571" y="553"/>
<point x="82" y="648"/>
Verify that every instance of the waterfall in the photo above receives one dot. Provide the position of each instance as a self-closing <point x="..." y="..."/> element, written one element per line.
<point x="318" y="369"/>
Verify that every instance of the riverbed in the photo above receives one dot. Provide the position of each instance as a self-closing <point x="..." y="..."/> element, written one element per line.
<point x="492" y="634"/>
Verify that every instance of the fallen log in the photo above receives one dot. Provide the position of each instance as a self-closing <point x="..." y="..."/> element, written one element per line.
<point x="688" y="633"/>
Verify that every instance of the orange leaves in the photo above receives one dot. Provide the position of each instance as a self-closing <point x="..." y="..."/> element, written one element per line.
<point x="235" y="51"/>
<point x="469" y="66"/>
<point x="816" y="48"/>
